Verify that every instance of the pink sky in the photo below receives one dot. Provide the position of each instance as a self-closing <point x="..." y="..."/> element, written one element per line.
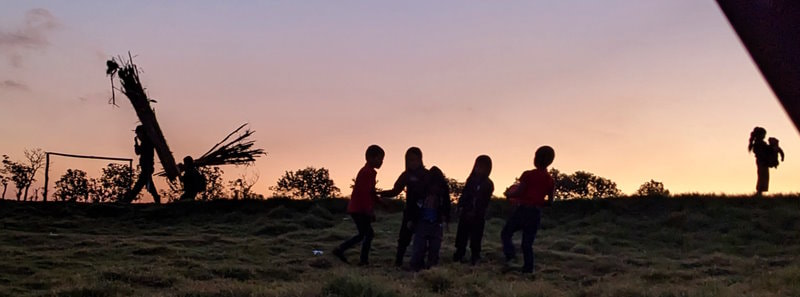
<point x="628" y="90"/>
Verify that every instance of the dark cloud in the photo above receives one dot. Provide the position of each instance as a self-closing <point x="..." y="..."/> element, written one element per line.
<point x="31" y="35"/>
<point x="13" y="86"/>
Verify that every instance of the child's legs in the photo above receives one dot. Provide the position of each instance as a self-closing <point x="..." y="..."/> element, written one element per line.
<point x="145" y="178"/>
<point x="529" y="229"/>
<point x="462" y="236"/>
<point x="511" y="226"/>
<point x="763" y="179"/>
<point x="403" y="240"/>
<point x="365" y="229"/>
<point x="419" y="248"/>
<point x="434" y="244"/>
<point x="476" y="239"/>
<point x="359" y="220"/>
<point x="151" y="188"/>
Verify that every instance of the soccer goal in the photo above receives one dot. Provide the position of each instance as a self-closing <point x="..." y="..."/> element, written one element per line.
<point x="47" y="165"/>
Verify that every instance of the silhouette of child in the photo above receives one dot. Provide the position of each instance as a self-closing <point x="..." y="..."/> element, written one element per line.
<point x="762" y="152"/>
<point x="413" y="181"/>
<point x="528" y="198"/>
<point x="361" y="206"/>
<point x="472" y="208"/>
<point x="193" y="181"/>
<point x="434" y="213"/>
<point x="776" y="150"/>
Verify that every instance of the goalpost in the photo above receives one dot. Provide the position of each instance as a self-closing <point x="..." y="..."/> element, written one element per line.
<point x="47" y="166"/>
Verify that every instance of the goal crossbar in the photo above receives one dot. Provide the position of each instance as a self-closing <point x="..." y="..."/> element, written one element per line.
<point x="47" y="165"/>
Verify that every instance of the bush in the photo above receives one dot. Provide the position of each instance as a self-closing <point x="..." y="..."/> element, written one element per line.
<point x="652" y="189"/>
<point x="309" y="183"/>
<point x="582" y="184"/>
<point x="116" y="180"/>
<point x="73" y="186"/>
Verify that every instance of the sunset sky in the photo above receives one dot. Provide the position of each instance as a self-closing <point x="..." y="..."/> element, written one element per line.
<point x="628" y="90"/>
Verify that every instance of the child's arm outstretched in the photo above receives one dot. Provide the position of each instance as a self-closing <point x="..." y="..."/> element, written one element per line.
<point x="377" y="198"/>
<point x="398" y="187"/>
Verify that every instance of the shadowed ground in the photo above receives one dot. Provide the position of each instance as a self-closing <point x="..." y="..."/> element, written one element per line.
<point x="704" y="246"/>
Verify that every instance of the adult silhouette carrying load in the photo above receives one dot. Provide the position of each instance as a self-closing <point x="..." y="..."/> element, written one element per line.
<point x="193" y="181"/>
<point x="146" y="151"/>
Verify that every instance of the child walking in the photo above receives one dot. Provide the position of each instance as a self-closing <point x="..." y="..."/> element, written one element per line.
<point x="472" y="208"/>
<point x="361" y="206"/>
<point x="434" y="213"/>
<point x="528" y="198"/>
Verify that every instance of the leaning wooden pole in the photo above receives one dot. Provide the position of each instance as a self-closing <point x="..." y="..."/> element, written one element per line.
<point x="46" y="176"/>
<point x="770" y="31"/>
<point x="148" y="119"/>
<point x="132" y="88"/>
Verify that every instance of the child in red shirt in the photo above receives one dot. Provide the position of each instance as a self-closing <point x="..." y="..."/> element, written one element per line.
<point x="528" y="198"/>
<point x="361" y="206"/>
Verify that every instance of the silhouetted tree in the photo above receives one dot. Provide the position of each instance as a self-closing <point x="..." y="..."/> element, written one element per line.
<point x="113" y="184"/>
<point x="72" y="186"/>
<point x="653" y="189"/>
<point x="242" y="187"/>
<point x="20" y="175"/>
<point x="4" y="179"/>
<point x="456" y="187"/>
<point x="308" y="183"/>
<point x="561" y="182"/>
<point x="36" y="159"/>
<point x="582" y="184"/>
<point x="214" y="187"/>
<point x="173" y="193"/>
<point x="35" y="194"/>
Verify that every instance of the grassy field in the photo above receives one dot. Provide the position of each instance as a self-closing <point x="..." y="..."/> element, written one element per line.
<point x="687" y="246"/>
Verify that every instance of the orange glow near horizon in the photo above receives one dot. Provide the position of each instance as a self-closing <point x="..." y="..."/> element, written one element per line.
<point x="627" y="90"/>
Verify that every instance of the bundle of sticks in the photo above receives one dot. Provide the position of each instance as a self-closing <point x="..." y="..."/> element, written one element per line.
<point x="235" y="149"/>
<point x="131" y="86"/>
<point x="232" y="150"/>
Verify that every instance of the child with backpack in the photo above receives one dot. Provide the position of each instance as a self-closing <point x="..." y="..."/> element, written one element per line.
<point x="433" y="215"/>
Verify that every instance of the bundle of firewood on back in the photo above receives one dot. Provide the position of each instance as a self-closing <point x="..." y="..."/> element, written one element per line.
<point x="232" y="150"/>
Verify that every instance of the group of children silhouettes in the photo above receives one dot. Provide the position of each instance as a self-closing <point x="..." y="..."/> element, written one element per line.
<point x="428" y="208"/>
